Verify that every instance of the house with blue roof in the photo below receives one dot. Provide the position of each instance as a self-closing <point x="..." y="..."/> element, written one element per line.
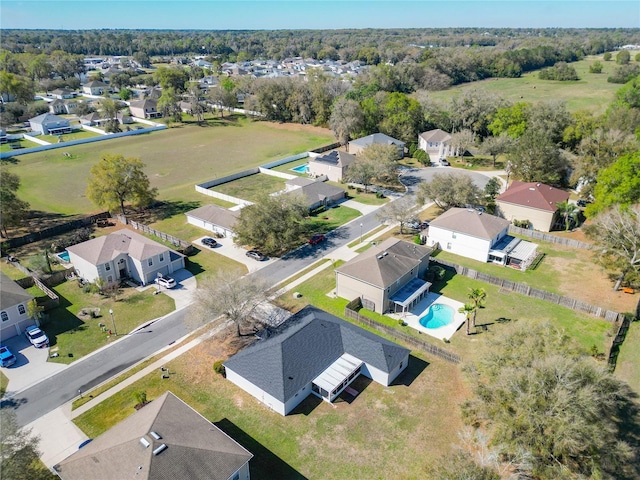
<point x="313" y="353"/>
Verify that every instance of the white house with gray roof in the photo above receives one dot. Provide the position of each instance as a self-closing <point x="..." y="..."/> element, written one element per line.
<point x="13" y="308"/>
<point x="480" y="236"/>
<point x="313" y="352"/>
<point x="214" y="218"/>
<point x="123" y="254"/>
<point x="388" y="276"/>
<point x="165" y="440"/>
<point x="437" y="144"/>
<point x="49" y="124"/>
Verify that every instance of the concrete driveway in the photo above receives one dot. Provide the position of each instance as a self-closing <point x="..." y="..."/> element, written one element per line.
<point x="229" y="249"/>
<point x="183" y="292"/>
<point x="31" y="366"/>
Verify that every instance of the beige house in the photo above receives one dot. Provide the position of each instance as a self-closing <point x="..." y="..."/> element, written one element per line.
<point x="386" y="277"/>
<point x="358" y="145"/>
<point x="531" y="201"/>
<point x="334" y="165"/>
<point x="166" y="439"/>
<point x="123" y="254"/>
<point x="13" y="308"/>
<point x="95" y="87"/>
<point x="147" y="108"/>
<point x="436" y="143"/>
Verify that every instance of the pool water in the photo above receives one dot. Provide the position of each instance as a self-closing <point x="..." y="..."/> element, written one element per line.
<point x="438" y="315"/>
<point x="64" y="256"/>
<point x="304" y="168"/>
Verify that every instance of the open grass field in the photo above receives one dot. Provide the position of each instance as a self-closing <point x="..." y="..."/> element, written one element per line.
<point x="175" y="160"/>
<point x="592" y="92"/>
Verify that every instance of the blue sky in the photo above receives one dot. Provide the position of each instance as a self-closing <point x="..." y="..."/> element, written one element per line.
<point x="316" y="14"/>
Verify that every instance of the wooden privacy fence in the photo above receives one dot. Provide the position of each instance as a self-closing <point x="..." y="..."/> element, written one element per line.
<point x="614" y="349"/>
<point x="547" y="237"/>
<point x="350" y="312"/>
<point x="175" y="241"/>
<point x="32" y="280"/>
<point x="572" y="303"/>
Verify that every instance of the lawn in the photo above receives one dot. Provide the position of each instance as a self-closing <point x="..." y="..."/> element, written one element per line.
<point x="176" y="159"/>
<point x="16" y="144"/>
<point x="316" y="441"/>
<point x="332" y="218"/>
<point x="75" y="337"/>
<point x="286" y="167"/>
<point x="68" y="137"/>
<point x="629" y="358"/>
<point x="251" y="187"/>
<point x="592" y="92"/>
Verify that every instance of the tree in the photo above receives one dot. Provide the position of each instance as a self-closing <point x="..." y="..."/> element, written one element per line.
<point x="125" y="94"/>
<point x="274" y="223"/>
<point x="462" y="141"/>
<point x="402" y="116"/>
<point x="361" y="171"/>
<point x="473" y="110"/>
<point x="538" y="396"/>
<point x="449" y="190"/>
<point x="402" y="211"/>
<point x="346" y="119"/>
<point x="535" y="158"/>
<point x="34" y="311"/>
<point x="109" y="109"/>
<point x="467" y="310"/>
<point x="623" y="57"/>
<point x="477" y="297"/>
<point x="568" y="212"/>
<point x="616" y="232"/>
<point x="383" y="158"/>
<point x="596" y="67"/>
<point x="19" y="451"/>
<point x="511" y="120"/>
<point x="223" y="99"/>
<point x="495" y="146"/>
<point x="169" y="104"/>
<point x="17" y="86"/>
<point x="239" y="298"/>
<point x="618" y="184"/>
<point x="459" y="466"/>
<point x="607" y="56"/>
<point x="172" y="78"/>
<point x="492" y="189"/>
<point x="115" y="180"/>
<point x="12" y="209"/>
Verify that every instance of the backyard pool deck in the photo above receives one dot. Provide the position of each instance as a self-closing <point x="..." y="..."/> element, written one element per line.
<point x="412" y="318"/>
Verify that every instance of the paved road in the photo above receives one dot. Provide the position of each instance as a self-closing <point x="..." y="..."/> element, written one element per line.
<point x="49" y="394"/>
<point x="411" y="177"/>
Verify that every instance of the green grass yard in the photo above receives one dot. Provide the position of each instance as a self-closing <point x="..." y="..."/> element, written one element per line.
<point x="251" y="187"/>
<point x="592" y="92"/>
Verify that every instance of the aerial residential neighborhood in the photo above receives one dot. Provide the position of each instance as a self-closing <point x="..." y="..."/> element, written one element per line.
<point x="326" y="253"/>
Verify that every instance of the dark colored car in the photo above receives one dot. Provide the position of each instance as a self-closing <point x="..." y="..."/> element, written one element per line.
<point x="316" y="239"/>
<point x="6" y="357"/>
<point x="582" y="203"/>
<point x="256" y="255"/>
<point x="209" y="242"/>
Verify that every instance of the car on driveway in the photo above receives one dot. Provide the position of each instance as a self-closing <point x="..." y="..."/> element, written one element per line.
<point x="6" y="357"/>
<point x="36" y="336"/>
<point x="256" y="255"/>
<point x="166" y="282"/>
<point x="209" y="242"/>
<point x="444" y="162"/>
<point x="316" y="239"/>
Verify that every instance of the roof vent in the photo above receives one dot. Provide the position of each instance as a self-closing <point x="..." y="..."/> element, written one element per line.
<point x="385" y="254"/>
<point x="145" y="443"/>
<point x="160" y="449"/>
<point x="537" y="184"/>
<point x="379" y="257"/>
<point x="155" y="435"/>
<point x="532" y="189"/>
<point x="479" y="213"/>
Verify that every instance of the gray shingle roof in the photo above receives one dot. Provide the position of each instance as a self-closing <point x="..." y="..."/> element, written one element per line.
<point x="381" y="270"/>
<point x="376" y="138"/>
<point x="471" y="222"/>
<point x="216" y="215"/>
<point x="436" y="135"/>
<point x="304" y="346"/>
<point x="11" y="294"/>
<point x="103" y="249"/>
<point x="314" y="191"/>
<point x="196" y="449"/>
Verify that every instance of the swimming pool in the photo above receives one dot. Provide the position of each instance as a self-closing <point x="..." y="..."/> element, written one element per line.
<point x="438" y="315"/>
<point x="304" y="168"/>
<point x="64" y="256"/>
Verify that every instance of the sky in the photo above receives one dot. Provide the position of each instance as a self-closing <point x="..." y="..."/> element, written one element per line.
<point x="315" y="14"/>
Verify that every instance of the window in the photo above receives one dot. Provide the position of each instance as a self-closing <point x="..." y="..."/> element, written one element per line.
<point x="162" y="257"/>
<point x="150" y="262"/>
<point x="401" y="363"/>
<point x="4" y="316"/>
<point x="107" y="267"/>
<point x="453" y="234"/>
<point x="449" y="246"/>
<point x="21" y="309"/>
<point x="109" y="279"/>
<point x="236" y="476"/>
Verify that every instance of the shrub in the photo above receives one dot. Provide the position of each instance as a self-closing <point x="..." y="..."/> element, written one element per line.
<point x="401" y="323"/>
<point x="379" y="194"/>
<point x="417" y="240"/>
<point x="437" y="271"/>
<point x="218" y="367"/>
<point x="421" y="156"/>
<point x="141" y="397"/>
<point x="359" y="190"/>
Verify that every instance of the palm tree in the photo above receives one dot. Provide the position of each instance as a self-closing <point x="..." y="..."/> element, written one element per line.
<point x="468" y="310"/>
<point x="477" y="296"/>
<point x="567" y="211"/>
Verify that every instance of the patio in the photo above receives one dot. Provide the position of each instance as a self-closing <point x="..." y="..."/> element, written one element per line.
<point x="412" y="318"/>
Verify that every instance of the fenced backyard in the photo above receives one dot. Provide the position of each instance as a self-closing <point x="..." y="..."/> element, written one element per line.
<point x="175" y="241"/>
<point x="547" y="237"/>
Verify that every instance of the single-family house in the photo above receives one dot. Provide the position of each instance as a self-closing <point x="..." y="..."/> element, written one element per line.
<point x="480" y="236"/>
<point x="13" y="308"/>
<point x="49" y="124"/>
<point x="93" y="119"/>
<point x="146" y="108"/>
<point x="62" y="107"/>
<point x="317" y="193"/>
<point x="166" y="439"/>
<point x="357" y="146"/>
<point x="386" y="277"/>
<point x="531" y="201"/>
<point x="333" y="164"/>
<point x="123" y="254"/>
<point x="437" y="144"/>
<point x="63" y="93"/>
<point x="313" y="352"/>
<point x="95" y="87"/>
<point x="214" y="218"/>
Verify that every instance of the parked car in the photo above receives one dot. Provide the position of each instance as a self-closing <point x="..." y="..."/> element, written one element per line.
<point x="36" y="336"/>
<point x="209" y="242"/>
<point x="166" y="282"/>
<point x="86" y="442"/>
<point x="256" y="255"/>
<point x="6" y="357"/>
<point x="583" y="203"/>
<point x="316" y="239"/>
<point x="444" y="162"/>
